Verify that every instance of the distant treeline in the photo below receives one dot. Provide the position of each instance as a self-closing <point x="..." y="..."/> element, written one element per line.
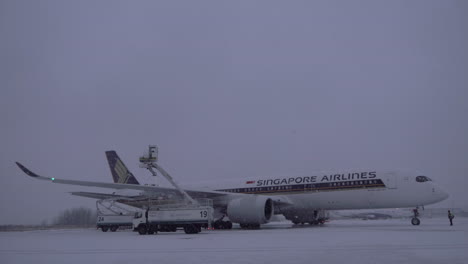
<point x="81" y="216"/>
<point x="70" y="218"/>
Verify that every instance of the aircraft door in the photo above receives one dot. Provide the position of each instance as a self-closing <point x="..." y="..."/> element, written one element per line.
<point x="390" y="180"/>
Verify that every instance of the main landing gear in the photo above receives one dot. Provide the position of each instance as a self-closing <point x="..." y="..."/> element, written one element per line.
<point x="249" y="226"/>
<point x="319" y="221"/>
<point x="222" y="224"/>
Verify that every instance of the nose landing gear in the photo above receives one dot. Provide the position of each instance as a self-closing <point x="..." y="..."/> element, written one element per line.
<point x="415" y="220"/>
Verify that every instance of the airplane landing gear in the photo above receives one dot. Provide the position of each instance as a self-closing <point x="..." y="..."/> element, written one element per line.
<point x="222" y="225"/>
<point x="249" y="226"/>
<point x="415" y="220"/>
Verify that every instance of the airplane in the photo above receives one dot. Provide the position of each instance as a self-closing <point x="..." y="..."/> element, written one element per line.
<point x="252" y="202"/>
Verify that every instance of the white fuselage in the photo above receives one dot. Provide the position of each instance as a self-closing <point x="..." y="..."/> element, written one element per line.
<point x="345" y="190"/>
<point x="307" y="198"/>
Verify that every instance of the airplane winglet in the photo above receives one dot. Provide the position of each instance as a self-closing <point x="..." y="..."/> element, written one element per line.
<point x="32" y="174"/>
<point x="25" y="170"/>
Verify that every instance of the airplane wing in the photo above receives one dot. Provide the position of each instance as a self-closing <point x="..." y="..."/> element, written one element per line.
<point x="149" y="189"/>
<point x="219" y="198"/>
<point x="135" y="201"/>
<point x="101" y="196"/>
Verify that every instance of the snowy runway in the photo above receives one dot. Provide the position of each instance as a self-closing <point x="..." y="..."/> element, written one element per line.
<point x="343" y="241"/>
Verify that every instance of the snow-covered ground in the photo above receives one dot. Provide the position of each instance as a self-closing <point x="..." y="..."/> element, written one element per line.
<point x="342" y="241"/>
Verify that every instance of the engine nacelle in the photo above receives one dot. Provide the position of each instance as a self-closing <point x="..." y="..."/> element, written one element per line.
<point x="250" y="210"/>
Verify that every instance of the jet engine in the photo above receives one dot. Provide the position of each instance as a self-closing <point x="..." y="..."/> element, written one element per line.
<point x="250" y="210"/>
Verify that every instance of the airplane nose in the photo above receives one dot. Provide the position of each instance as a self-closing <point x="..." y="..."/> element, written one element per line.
<point x="442" y="194"/>
<point x="445" y="195"/>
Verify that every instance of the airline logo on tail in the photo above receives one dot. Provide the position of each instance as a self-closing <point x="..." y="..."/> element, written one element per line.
<point x="119" y="171"/>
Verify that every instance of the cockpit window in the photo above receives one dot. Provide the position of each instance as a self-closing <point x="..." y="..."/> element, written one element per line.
<point x="422" y="179"/>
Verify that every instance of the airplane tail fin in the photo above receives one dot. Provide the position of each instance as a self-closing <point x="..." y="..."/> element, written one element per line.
<point x="119" y="171"/>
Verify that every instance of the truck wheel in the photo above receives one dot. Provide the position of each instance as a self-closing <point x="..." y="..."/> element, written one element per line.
<point x="114" y="228"/>
<point x="314" y="222"/>
<point x="152" y="230"/>
<point x="104" y="228"/>
<point x="142" y="230"/>
<point x="190" y="229"/>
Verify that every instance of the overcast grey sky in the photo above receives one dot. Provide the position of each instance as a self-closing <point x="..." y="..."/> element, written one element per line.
<point x="228" y="89"/>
